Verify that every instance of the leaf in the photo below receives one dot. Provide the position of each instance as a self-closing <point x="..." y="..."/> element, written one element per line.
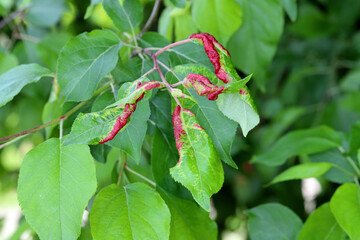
<point x="132" y="137"/>
<point x="188" y="220"/>
<point x="126" y="15"/>
<point x="134" y="211"/>
<point x="184" y="25"/>
<point x="199" y="168"/>
<point x="219" y="18"/>
<point x="355" y="137"/>
<point x="345" y="207"/>
<point x="302" y="171"/>
<point x="55" y="185"/>
<point x="239" y="108"/>
<point x="273" y="221"/>
<point x="15" y="79"/>
<point x="90" y="128"/>
<point x="166" y="23"/>
<point x="84" y="61"/>
<point x="254" y="45"/>
<point x="45" y="13"/>
<point x="351" y="82"/>
<point x="7" y="62"/>
<point x="321" y="225"/>
<point x="178" y="3"/>
<point x="220" y="129"/>
<point x="341" y="172"/>
<point x="290" y="8"/>
<point x="236" y="86"/>
<point x="299" y="142"/>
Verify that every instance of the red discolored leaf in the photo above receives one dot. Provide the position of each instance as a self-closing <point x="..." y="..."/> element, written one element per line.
<point x="203" y="86"/>
<point x="212" y="48"/>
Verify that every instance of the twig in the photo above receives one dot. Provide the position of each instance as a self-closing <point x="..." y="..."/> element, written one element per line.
<point x="152" y="17"/>
<point x="11" y="17"/>
<point x="35" y="129"/>
<point x="171" y="45"/>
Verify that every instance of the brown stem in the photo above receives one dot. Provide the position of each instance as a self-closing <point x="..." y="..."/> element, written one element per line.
<point x="172" y="45"/>
<point x="35" y="129"/>
<point x="11" y="17"/>
<point x="151" y="18"/>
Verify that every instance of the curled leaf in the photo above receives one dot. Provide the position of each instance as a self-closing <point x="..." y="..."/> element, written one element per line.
<point x="203" y="86"/>
<point x="199" y="168"/>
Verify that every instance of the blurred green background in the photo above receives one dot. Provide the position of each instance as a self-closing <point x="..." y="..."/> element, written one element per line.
<point x="313" y="79"/>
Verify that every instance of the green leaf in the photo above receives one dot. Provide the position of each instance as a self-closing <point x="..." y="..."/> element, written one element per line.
<point x="84" y="61"/>
<point x="7" y="62"/>
<point x="220" y="18"/>
<point x="341" y="172"/>
<point x="306" y="170"/>
<point x="126" y="15"/>
<point x="166" y="23"/>
<point x="184" y="25"/>
<point x="355" y="137"/>
<point x="239" y="108"/>
<point x="345" y="206"/>
<point x="236" y="86"/>
<point x="45" y="13"/>
<point x="199" y="168"/>
<point x="15" y="79"/>
<point x="132" y="137"/>
<point x="50" y="46"/>
<point x="90" y="128"/>
<point x="299" y="142"/>
<point x="254" y="45"/>
<point x="290" y="8"/>
<point x="321" y="225"/>
<point x="188" y="220"/>
<point x="351" y="82"/>
<point x="273" y="221"/>
<point x="178" y="3"/>
<point x="55" y="185"/>
<point x="221" y="130"/>
<point x="135" y="211"/>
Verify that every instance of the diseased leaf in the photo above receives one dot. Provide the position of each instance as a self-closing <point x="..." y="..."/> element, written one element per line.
<point x="126" y="15"/>
<point x="220" y="18"/>
<point x="12" y="81"/>
<point x="188" y="220"/>
<point x="132" y="137"/>
<point x="91" y="128"/>
<point x="345" y="206"/>
<point x="273" y="221"/>
<point x="299" y="142"/>
<point x="302" y="171"/>
<point x="220" y="129"/>
<point x="199" y="168"/>
<point x="253" y="46"/>
<point x="84" y="61"/>
<point x="55" y="185"/>
<point x="134" y="211"/>
<point x="321" y="225"/>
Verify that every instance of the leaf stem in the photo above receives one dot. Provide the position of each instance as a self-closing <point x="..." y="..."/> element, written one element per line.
<point x="35" y="129"/>
<point x="123" y="159"/>
<point x="11" y="17"/>
<point x="152" y="17"/>
<point x="156" y="66"/>
<point x="351" y="162"/>
<point x="140" y="176"/>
